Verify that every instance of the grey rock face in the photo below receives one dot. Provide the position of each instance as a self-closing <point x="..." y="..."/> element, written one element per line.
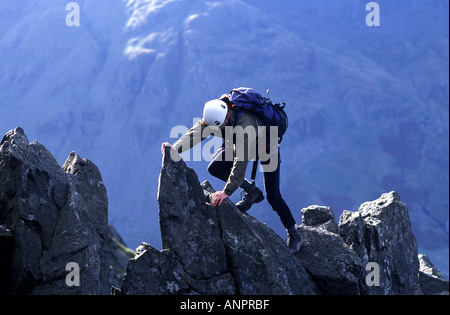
<point x="6" y="245"/>
<point x="330" y="262"/>
<point x="219" y="250"/>
<point x="51" y="216"/>
<point x="55" y="216"/>
<point x="317" y="216"/>
<point x="211" y="250"/>
<point x="380" y="232"/>
<point x="431" y="280"/>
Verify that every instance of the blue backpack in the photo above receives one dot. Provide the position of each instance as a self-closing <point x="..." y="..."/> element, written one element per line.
<point x="247" y="99"/>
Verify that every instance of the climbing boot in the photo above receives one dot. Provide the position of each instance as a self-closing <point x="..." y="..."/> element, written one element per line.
<point x="294" y="241"/>
<point x="252" y="195"/>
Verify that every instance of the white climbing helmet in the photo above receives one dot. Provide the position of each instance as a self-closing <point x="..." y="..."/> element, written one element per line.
<point x="215" y="113"/>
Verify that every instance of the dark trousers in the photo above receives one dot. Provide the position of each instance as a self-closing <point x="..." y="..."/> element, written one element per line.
<point x="221" y="169"/>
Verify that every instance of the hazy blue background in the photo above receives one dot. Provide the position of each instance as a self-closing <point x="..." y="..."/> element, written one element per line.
<point x="368" y="106"/>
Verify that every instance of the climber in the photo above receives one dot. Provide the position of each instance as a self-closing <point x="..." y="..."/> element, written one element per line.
<point x="219" y="118"/>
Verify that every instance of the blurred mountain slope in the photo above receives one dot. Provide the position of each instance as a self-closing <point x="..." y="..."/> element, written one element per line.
<point x="368" y="107"/>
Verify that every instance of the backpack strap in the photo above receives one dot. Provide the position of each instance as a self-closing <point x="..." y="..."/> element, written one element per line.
<point x="254" y="169"/>
<point x="237" y="113"/>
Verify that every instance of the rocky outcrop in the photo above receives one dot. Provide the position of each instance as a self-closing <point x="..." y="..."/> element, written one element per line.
<point x="371" y="252"/>
<point x="51" y="217"/>
<point x="431" y="280"/>
<point x="380" y="232"/>
<point x="219" y="250"/>
<point x="335" y="268"/>
<point x="210" y="250"/>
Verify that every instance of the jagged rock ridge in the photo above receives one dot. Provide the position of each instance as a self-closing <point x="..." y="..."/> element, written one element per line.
<point x="218" y="250"/>
<point x="50" y="216"/>
<point x="210" y="250"/>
